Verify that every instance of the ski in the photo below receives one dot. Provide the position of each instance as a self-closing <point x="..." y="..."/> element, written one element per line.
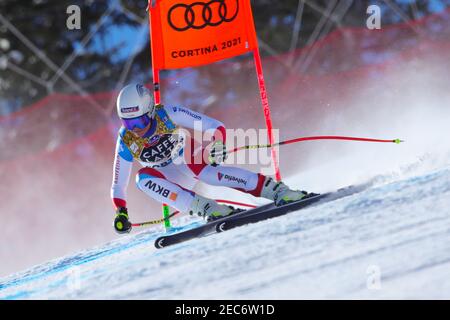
<point x="261" y="213"/>
<point x="171" y="239"/>
<point x="272" y="212"/>
<point x="203" y="230"/>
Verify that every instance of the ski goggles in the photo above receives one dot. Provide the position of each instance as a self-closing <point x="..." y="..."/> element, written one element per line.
<point x="139" y="122"/>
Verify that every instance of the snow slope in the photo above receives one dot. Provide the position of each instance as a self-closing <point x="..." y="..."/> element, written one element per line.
<point x="391" y="240"/>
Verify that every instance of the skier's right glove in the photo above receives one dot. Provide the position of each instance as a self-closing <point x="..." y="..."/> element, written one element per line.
<point x="121" y="222"/>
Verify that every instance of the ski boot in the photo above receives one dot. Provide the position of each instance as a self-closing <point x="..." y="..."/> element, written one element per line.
<point x="209" y="209"/>
<point x="281" y="194"/>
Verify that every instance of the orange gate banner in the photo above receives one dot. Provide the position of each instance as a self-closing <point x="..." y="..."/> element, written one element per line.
<point x="188" y="33"/>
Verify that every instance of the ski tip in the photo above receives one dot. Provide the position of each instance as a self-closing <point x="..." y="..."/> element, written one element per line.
<point x="398" y="141"/>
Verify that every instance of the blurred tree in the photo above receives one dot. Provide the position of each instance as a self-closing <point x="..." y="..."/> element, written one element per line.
<point x="26" y="77"/>
<point x="30" y="30"/>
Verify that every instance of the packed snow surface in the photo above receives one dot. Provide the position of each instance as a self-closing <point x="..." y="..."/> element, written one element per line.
<point x="390" y="240"/>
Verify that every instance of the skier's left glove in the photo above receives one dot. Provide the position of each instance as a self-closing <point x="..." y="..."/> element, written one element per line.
<point x="121" y="222"/>
<point x="218" y="153"/>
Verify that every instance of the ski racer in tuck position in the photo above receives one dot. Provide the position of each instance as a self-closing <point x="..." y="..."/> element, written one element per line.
<point x="152" y="135"/>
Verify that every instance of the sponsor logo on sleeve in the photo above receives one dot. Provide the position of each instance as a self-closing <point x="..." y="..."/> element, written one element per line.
<point x="187" y="112"/>
<point x="117" y="171"/>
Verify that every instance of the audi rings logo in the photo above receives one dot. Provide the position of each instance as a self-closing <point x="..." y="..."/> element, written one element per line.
<point x="199" y="15"/>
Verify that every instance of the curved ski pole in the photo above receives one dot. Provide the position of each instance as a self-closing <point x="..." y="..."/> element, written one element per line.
<point x="153" y="222"/>
<point x="259" y="146"/>
<point x="237" y="203"/>
<point x="163" y="220"/>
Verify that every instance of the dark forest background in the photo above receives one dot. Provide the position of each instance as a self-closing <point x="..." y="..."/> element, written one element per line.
<point x="35" y="43"/>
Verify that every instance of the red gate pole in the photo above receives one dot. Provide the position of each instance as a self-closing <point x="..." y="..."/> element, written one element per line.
<point x="157" y="94"/>
<point x="266" y="109"/>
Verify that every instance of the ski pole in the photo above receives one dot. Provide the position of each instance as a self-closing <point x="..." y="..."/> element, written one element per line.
<point x="259" y="146"/>
<point x="162" y="220"/>
<point x="237" y="203"/>
<point x="153" y="222"/>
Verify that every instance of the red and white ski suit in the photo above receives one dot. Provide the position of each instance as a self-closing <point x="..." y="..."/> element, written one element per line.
<point x="171" y="165"/>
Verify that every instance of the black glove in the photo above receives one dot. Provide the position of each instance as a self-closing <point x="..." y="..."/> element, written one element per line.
<point x="121" y="222"/>
<point x="218" y="153"/>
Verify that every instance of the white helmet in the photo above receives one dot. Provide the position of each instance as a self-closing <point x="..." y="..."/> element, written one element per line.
<point x="134" y="101"/>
